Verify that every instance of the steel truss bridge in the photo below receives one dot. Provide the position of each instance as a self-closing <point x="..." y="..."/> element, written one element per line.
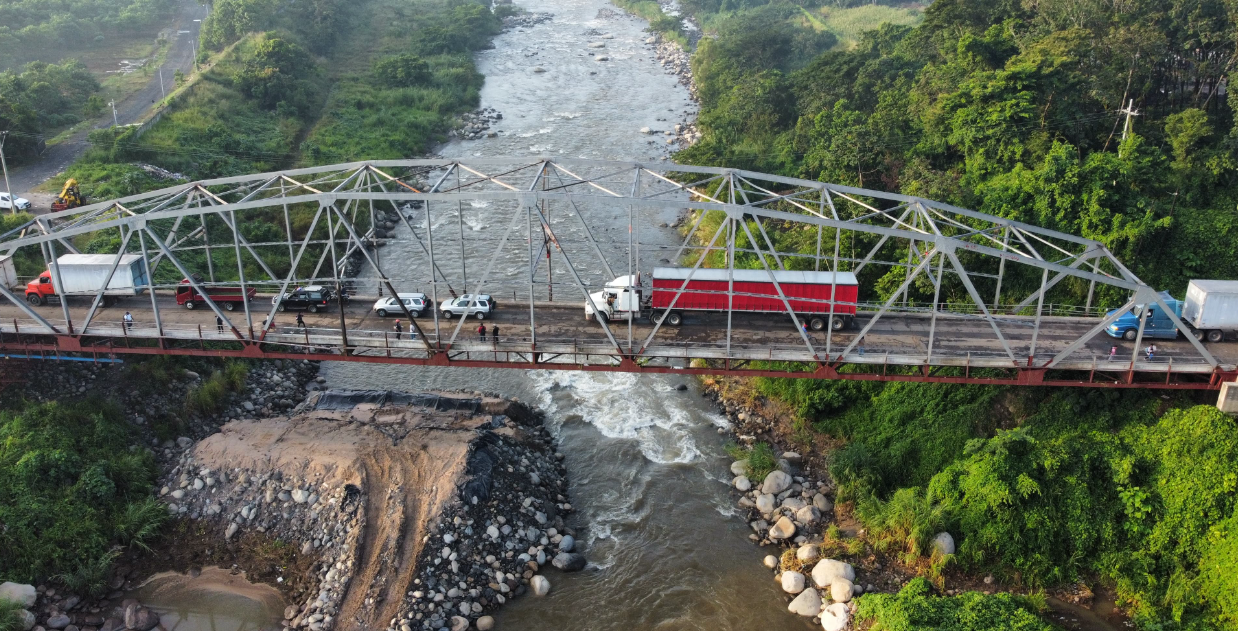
<point x="541" y="234"/>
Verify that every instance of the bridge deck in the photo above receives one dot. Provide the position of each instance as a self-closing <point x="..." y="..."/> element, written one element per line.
<point x="564" y="339"/>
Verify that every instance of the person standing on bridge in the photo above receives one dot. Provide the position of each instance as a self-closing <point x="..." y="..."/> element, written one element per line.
<point x="219" y="324"/>
<point x="494" y="334"/>
<point x="399" y="330"/>
<point x="300" y="321"/>
<point x="128" y="320"/>
<point x="481" y="331"/>
<point x="1113" y="352"/>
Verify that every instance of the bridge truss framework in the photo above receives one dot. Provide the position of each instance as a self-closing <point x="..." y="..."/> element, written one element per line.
<point x="544" y="225"/>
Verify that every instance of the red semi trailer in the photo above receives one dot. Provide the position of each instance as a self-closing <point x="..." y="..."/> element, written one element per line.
<point x="811" y="294"/>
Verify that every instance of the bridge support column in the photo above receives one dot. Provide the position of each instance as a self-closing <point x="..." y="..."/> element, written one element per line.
<point x="1032" y="377"/>
<point x="1227" y="402"/>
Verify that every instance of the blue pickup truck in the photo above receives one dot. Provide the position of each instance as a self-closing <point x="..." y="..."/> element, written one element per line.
<point x="1159" y="325"/>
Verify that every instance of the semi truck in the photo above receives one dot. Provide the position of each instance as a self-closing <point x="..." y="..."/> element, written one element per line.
<point x="1210" y="311"/>
<point x="812" y="295"/>
<point x="226" y="297"/>
<point x="84" y="274"/>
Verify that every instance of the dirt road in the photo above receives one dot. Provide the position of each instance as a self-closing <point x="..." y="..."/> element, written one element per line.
<point x="184" y="37"/>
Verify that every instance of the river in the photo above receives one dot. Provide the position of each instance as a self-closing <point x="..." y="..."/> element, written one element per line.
<point x="648" y="471"/>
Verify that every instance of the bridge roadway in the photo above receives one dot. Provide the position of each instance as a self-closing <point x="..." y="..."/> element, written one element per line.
<point x="564" y="339"/>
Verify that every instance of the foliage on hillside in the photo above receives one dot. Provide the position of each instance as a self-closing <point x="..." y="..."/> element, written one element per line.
<point x="913" y="608"/>
<point x="42" y="97"/>
<point x="1007" y="107"/>
<point x="70" y="488"/>
<point x="29" y="28"/>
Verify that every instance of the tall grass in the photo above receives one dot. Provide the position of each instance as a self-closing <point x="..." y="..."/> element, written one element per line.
<point x="848" y="24"/>
<point x="208" y="397"/>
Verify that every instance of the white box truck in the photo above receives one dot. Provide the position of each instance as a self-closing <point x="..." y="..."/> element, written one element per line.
<point x="84" y="274"/>
<point x="1211" y="308"/>
<point x="8" y="272"/>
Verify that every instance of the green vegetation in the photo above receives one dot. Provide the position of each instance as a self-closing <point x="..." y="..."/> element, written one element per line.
<point x="44" y="97"/>
<point x="71" y="486"/>
<point x="760" y="458"/>
<point x="210" y="396"/>
<point x="10" y="616"/>
<point x="30" y="29"/>
<point x="913" y="608"/>
<point x="849" y="24"/>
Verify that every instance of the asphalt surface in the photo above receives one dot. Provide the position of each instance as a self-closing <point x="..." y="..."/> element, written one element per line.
<point x="898" y="337"/>
<point x="132" y="109"/>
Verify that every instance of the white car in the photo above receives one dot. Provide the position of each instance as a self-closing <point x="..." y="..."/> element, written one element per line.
<point x="414" y="303"/>
<point x="6" y="202"/>
<point x="478" y="306"/>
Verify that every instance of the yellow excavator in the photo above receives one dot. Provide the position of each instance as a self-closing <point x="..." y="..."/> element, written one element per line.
<point x="69" y="197"/>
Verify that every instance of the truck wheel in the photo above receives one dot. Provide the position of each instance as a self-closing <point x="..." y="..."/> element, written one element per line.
<point x="675" y="318"/>
<point x="382" y="313"/>
<point x="1130" y="335"/>
<point x="282" y="308"/>
<point x="816" y="324"/>
<point x="481" y="315"/>
<point x="312" y="308"/>
<point x="35" y="299"/>
<point x="1197" y="334"/>
<point x="839" y="323"/>
<point x="229" y="306"/>
<point x="189" y="304"/>
<point x="1215" y="336"/>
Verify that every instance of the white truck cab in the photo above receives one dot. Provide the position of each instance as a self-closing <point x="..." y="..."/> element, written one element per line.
<point x="619" y="300"/>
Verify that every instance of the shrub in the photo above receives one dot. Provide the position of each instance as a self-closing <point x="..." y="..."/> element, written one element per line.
<point x="208" y="397"/>
<point x="401" y="71"/>
<point x="915" y="608"/>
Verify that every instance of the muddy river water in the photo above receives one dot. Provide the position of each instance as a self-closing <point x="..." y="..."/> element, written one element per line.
<point x="648" y="471"/>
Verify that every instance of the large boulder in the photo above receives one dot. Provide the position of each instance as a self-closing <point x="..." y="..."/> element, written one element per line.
<point x="140" y="618"/>
<point x="808" y="552"/>
<point x="828" y="570"/>
<point x="765" y="504"/>
<point x="792" y="582"/>
<point x="782" y="529"/>
<point x="776" y="482"/>
<point x="540" y="585"/>
<point x="841" y="590"/>
<point x="822" y="503"/>
<point x="27" y="619"/>
<point x="807" y="604"/>
<point x="569" y="561"/>
<point x="770" y="561"/>
<point x="60" y="621"/>
<point x="20" y="593"/>
<point x="808" y="515"/>
<point x="739" y="467"/>
<point x="943" y="544"/>
<point x="742" y="483"/>
<point x="793" y="504"/>
<point x="835" y="617"/>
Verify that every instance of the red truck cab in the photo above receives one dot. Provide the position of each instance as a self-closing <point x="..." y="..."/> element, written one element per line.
<point x="226" y="297"/>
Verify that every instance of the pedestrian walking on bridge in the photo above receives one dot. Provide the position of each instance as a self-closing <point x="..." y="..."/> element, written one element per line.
<point x="494" y="334"/>
<point x="128" y="320"/>
<point x="219" y="324"/>
<point x="399" y="330"/>
<point x="300" y="321"/>
<point x="481" y="331"/>
<point x="1113" y="352"/>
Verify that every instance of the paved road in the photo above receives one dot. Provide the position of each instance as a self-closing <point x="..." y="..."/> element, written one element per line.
<point x="896" y="338"/>
<point x="132" y="109"/>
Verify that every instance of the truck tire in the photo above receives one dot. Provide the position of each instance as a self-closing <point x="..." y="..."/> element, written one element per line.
<point x="1215" y="336"/>
<point x="840" y="323"/>
<point x="816" y="324"/>
<point x="229" y="306"/>
<point x="382" y="313"/>
<point x="481" y="315"/>
<point x="1130" y="335"/>
<point x="189" y="304"/>
<point x="312" y="309"/>
<point x="675" y="318"/>
<point x="35" y="299"/>
<point x="1197" y="334"/>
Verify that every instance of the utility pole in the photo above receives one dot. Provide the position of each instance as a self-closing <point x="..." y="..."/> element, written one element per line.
<point x="115" y="122"/>
<point x="162" y="92"/>
<point x="7" y="189"/>
<point x="1130" y="111"/>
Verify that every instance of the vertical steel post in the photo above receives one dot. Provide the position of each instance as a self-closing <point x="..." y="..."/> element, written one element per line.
<point x="240" y="271"/>
<point x="54" y="266"/>
<point x="730" y="286"/>
<point x="533" y="261"/>
<point x="433" y="277"/>
<point x="1143" y="319"/>
<point x="631" y="280"/>
<point x="1091" y="288"/>
<point x="206" y="240"/>
<point x="283" y="194"/>
<point x="1040" y="304"/>
<point x="1001" y="268"/>
<point x="335" y="276"/>
<point x="941" y="264"/>
<point x="150" y="284"/>
<point x="464" y="270"/>
<point x="829" y="336"/>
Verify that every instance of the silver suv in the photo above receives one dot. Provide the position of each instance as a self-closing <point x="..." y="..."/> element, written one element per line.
<point x="479" y="306"/>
